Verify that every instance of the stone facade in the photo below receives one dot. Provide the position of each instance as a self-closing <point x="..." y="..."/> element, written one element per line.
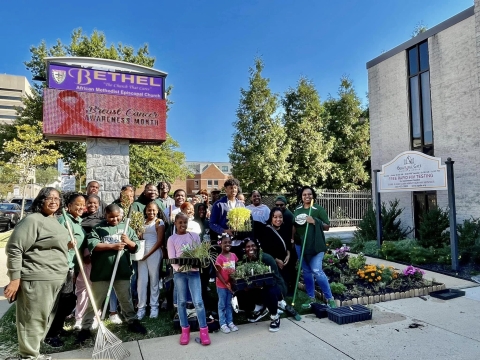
<point x="454" y="59"/>
<point x="108" y="163"/>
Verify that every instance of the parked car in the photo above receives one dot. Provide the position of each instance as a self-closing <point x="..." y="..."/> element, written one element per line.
<point x="12" y="211"/>
<point x="28" y="203"/>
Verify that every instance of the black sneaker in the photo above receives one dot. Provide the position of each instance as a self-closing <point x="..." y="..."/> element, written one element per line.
<point x="54" y="342"/>
<point x="136" y="327"/>
<point x="83" y="336"/>
<point x="257" y="315"/>
<point x="274" y="323"/>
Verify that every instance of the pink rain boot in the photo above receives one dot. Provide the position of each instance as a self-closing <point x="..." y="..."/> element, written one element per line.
<point x="204" y="338"/>
<point x="185" y="337"/>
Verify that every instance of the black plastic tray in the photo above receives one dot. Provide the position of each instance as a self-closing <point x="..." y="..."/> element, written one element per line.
<point x="349" y="314"/>
<point x="184" y="261"/>
<point x="255" y="281"/>
<point x="447" y="294"/>
<point x="320" y="310"/>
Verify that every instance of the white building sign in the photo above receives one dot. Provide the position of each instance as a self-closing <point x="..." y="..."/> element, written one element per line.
<point x="413" y="171"/>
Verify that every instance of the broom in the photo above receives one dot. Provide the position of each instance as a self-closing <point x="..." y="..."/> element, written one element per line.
<point x="117" y="260"/>
<point x="107" y="345"/>
<point x="301" y="256"/>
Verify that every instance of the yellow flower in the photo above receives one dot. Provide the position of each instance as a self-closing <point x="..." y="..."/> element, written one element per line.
<point x="370" y="280"/>
<point x="379" y="278"/>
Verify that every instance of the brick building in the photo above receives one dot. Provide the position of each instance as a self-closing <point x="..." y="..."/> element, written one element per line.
<point x="424" y="96"/>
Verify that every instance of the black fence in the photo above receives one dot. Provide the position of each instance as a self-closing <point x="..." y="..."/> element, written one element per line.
<point x="344" y="208"/>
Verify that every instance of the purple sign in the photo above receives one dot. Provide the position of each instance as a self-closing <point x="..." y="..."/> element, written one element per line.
<point x="105" y="82"/>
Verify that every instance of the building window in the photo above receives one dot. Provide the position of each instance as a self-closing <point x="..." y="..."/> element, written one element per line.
<point x="196" y="184"/>
<point x="421" y="128"/>
<point x="209" y="183"/>
<point x="225" y="168"/>
<point x="215" y="183"/>
<point x="3" y="97"/>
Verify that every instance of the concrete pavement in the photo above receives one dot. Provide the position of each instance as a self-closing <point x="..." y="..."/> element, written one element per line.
<point x="401" y="329"/>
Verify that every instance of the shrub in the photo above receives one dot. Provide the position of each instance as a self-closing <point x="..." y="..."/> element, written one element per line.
<point x="413" y="272"/>
<point x="355" y="263"/>
<point x="334" y="243"/>
<point x="371" y="248"/>
<point x="392" y="229"/>
<point x="469" y="233"/>
<point x="432" y="229"/>
<point x="357" y="245"/>
<point x="337" y="288"/>
<point x="398" y="250"/>
<point x="476" y="254"/>
<point x="420" y="255"/>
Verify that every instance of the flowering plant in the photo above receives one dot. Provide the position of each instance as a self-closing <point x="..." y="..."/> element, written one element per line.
<point x="412" y="271"/>
<point x="239" y="219"/>
<point x="374" y="273"/>
<point x="341" y="252"/>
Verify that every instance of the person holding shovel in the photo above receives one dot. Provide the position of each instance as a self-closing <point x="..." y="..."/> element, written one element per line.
<point x="309" y="223"/>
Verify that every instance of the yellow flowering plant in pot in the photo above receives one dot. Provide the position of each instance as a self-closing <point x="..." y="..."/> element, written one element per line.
<point x="239" y="220"/>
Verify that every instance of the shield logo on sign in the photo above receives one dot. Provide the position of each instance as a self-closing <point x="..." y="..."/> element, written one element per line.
<point x="59" y="76"/>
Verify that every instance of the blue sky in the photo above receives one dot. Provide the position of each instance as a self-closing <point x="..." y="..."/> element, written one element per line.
<point x="207" y="46"/>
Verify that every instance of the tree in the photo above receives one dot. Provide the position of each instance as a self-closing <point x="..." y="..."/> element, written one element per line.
<point x="305" y="124"/>
<point x="349" y="129"/>
<point x="7" y="179"/>
<point x="259" y="150"/>
<point x="45" y="176"/>
<point x="28" y="152"/>
<point x="157" y="163"/>
<point x="95" y="45"/>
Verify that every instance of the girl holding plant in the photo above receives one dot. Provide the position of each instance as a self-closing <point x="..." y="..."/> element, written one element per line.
<point x="225" y="266"/>
<point x="187" y="280"/>
<point x="149" y="266"/>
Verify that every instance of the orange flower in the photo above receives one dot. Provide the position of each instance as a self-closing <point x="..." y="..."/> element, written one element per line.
<point x="370" y="280"/>
<point x="379" y="278"/>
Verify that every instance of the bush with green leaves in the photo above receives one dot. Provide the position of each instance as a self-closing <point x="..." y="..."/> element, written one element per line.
<point x="334" y="243"/>
<point x="356" y="262"/>
<point x="337" y="288"/>
<point x="371" y="248"/>
<point x="392" y="229"/>
<point x="432" y="229"/>
<point x="469" y="233"/>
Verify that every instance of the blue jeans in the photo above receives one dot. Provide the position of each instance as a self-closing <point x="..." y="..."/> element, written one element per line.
<point x="225" y="315"/>
<point x="313" y="272"/>
<point x="113" y="301"/>
<point x="185" y="281"/>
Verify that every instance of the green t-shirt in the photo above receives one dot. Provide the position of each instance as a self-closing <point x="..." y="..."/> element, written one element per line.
<point x="78" y="233"/>
<point x="300" y="220"/>
<point x="37" y="249"/>
<point x="104" y="261"/>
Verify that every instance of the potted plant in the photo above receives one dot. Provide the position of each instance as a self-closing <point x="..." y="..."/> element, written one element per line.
<point x="195" y="255"/>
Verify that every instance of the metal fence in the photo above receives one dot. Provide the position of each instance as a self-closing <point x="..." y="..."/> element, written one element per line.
<point x="344" y="208"/>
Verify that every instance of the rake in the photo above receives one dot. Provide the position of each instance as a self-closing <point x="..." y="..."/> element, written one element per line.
<point x="107" y="345"/>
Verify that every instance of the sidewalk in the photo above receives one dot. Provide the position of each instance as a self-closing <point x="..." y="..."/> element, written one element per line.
<point x="4" y="280"/>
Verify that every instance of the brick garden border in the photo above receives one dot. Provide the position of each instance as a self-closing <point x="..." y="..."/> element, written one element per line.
<point x="373" y="299"/>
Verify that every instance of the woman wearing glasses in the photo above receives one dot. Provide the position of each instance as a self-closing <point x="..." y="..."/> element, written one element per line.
<point x="37" y="267"/>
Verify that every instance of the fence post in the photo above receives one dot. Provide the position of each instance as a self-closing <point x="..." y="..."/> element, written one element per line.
<point x="452" y="213"/>
<point x="378" y="208"/>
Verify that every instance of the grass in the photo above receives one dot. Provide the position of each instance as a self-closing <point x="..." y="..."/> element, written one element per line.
<point x="163" y="326"/>
<point x="4" y="238"/>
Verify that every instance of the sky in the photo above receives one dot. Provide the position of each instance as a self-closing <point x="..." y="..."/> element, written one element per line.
<point x="208" y="46"/>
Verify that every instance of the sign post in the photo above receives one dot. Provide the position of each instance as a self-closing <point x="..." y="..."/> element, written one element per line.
<point x="452" y="214"/>
<point x="378" y="208"/>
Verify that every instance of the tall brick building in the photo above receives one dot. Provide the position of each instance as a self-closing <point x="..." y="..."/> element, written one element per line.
<point x="424" y="95"/>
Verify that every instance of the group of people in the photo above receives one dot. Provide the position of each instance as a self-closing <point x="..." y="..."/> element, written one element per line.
<point x="44" y="271"/>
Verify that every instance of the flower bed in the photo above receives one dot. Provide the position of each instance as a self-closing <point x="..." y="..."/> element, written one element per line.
<point x="353" y="281"/>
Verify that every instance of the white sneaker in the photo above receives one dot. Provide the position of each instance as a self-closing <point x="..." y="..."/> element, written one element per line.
<point x="212" y="280"/>
<point x="232" y="327"/>
<point x="141" y="314"/>
<point x="153" y="313"/>
<point x="95" y="324"/>
<point x="225" y="329"/>
<point x="114" y="318"/>
<point x="78" y="325"/>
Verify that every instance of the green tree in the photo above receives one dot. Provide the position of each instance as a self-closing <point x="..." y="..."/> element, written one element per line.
<point x="95" y="45"/>
<point x="157" y="163"/>
<point x="259" y="150"/>
<point x="305" y="124"/>
<point x="28" y="152"/>
<point x="349" y="129"/>
<point x="7" y="179"/>
<point x="45" y="176"/>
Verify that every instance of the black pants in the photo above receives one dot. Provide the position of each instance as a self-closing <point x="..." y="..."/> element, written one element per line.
<point x="267" y="296"/>
<point x="65" y="305"/>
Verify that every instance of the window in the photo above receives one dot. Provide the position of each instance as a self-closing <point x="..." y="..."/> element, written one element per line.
<point x="419" y="97"/>
<point x="225" y="168"/>
<point x="209" y="183"/>
<point x="215" y="183"/>
<point x="196" y="184"/>
<point x="3" y="97"/>
<point x="423" y="201"/>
